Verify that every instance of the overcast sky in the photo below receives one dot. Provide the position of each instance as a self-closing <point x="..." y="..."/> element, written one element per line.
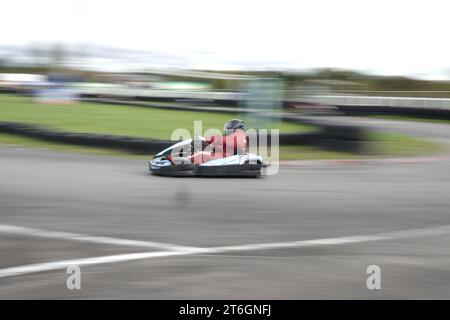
<point x="386" y="37"/>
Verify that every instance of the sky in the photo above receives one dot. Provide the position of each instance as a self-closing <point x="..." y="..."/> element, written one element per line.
<point x="384" y="37"/>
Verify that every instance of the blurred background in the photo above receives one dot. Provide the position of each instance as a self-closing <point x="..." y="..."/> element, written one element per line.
<point x="360" y="92"/>
<point x="274" y="66"/>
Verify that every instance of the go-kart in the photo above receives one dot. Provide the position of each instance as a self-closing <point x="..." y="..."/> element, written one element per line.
<point x="238" y="165"/>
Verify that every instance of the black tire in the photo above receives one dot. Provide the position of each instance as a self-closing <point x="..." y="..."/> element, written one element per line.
<point x="243" y="170"/>
<point x="179" y="170"/>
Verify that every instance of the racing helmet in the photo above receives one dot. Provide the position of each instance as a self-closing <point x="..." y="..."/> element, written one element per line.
<point x="232" y="125"/>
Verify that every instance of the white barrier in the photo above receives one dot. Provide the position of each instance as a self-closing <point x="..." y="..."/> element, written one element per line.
<point x="343" y="100"/>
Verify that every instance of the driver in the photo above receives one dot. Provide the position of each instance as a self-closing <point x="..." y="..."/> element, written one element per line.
<point x="233" y="142"/>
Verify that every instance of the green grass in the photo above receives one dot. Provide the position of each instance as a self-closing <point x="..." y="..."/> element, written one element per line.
<point x="409" y="118"/>
<point x="114" y="119"/>
<point x="393" y="144"/>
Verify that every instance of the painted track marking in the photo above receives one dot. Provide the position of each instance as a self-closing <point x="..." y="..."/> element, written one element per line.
<point x="40" y="233"/>
<point x="41" y="267"/>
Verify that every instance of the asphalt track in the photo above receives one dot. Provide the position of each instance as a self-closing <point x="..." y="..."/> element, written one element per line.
<point x="307" y="232"/>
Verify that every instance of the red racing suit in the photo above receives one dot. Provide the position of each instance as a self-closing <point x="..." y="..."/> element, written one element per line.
<point x="221" y="147"/>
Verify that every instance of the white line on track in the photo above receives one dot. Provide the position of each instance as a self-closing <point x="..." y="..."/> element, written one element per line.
<point x="32" y="232"/>
<point x="41" y="267"/>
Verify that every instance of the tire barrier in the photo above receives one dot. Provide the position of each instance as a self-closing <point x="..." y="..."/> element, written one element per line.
<point x="324" y="140"/>
<point x="341" y="138"/>
<point x="430" y="113"/>
<point x="155" y="105"/>
<point x="346" y="110"/>
<point x="434" y="112"/>
<point x="330" y="136"/>
<point x="336" y="139"/>
<point x="130" y="144"/>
